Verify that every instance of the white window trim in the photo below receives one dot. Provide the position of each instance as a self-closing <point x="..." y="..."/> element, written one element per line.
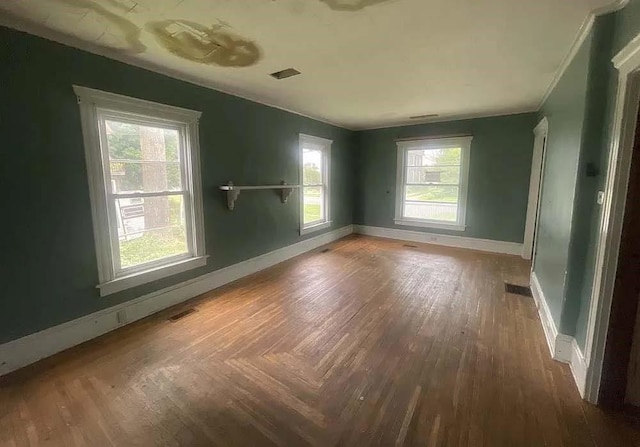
<point x="326" y="177"/>
<point x="433" y="143"/>
<point x="90" y="101"/>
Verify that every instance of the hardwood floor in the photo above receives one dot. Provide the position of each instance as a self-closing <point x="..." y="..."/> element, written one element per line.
<point x="371" y="343"/>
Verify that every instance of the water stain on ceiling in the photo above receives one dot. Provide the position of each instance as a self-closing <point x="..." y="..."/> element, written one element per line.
<point x="206" y="45"/>
<point x="130" y="32"/>
<point x="351" y="5"/>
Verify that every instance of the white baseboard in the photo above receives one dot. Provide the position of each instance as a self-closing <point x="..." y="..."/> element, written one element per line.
<point x="548" y="326"/>
<point x="578" y="367"/>
<point x="510" y="248"/>
<point x="563" y="348"/>
<point x="560" y="345"/>
<point x="26" y="350"/>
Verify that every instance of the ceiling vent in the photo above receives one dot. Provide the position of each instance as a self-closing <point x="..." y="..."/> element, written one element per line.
<point x="286" y="73"/>
<point x="424" y="117"/>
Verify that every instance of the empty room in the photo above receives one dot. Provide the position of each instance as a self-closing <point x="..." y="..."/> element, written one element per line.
<point x="320" y="223"/>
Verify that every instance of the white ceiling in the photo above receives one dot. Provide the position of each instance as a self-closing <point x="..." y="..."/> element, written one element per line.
<point x="364" y="63"/>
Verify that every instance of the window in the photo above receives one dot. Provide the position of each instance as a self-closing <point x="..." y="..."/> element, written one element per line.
<point x="315" y="160"/>
<point x="432" y="182"/>
<point x="144" y="179"/>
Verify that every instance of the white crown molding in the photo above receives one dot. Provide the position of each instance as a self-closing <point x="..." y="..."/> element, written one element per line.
<point x="450" y="118"/>
<point x="73" y="42"/>
<point x="26" y="350"/>
<point x="20" y="24"/>
<point x="510" y="248"/>
<point x="582" y="35"/>
<point x="64" y="39"/>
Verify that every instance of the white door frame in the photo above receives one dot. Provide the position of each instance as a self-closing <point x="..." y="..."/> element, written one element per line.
<point x="541" y="133"/>
<point x="627" y="62"/>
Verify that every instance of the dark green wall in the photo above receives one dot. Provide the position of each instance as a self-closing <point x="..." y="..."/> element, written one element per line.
<point x="586" y="210"/>
<point x="500" y="168"/>
<point x="565" y="110"/>
<point x="621" y="27"/>
<point x="587" y="92"/>
<point x="47" y="257"/>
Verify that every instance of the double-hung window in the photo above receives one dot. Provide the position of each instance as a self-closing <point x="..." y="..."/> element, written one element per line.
<point x="315" y="160"/>
<point x="432" y="182"/>
<point x="144" y="179"/>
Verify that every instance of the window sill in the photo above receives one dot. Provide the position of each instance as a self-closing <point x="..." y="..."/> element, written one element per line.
<point x="129" y="281"/>
<point x="430" y="224"/>
<point x="315" y="227"/>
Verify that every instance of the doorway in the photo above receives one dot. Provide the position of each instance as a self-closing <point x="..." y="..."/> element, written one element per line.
<point x="535" y="189"/>
<point x="611" y="322"/>
<point x="621" y="368"/>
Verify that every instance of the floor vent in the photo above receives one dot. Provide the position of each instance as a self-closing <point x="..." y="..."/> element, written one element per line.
<point x="182" y="314"/>
<point x="517" y="290"/>
<point x="410" y="246"/>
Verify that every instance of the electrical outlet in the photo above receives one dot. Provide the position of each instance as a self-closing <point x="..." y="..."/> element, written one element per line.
<point x="600" y="197"/>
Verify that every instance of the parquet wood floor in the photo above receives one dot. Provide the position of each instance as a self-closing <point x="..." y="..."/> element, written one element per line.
<point x="370" y="343"/>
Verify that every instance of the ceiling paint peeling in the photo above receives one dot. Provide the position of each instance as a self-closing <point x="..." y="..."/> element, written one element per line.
<point x="197" y="43"/>
<point x="351" y="5"/>
<point x="366" y="63"/>
<point x="130" y="32"/>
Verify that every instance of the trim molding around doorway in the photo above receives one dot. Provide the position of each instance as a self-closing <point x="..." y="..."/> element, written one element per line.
<point x="627" y="62"/>
<point x="541" y="133"/>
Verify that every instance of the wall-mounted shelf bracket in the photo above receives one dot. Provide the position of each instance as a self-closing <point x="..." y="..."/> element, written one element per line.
<point x="233" y="191"/>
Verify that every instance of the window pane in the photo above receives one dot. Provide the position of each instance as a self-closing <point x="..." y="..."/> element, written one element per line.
<point x="313" y="201"/>
<point x="432" y="193"/>
<point x="437" y="174"/>
<point x="432" y="203"/>
<point x="434" y="157"/>
<point x="312" y="166"/>
<point x="143" y="158"/>
<point x="150" y="229"/>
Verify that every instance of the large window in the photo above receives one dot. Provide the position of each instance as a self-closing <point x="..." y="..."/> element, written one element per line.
<point x="144" y="176"/>
<point x="432" y="182"/>
<point x="315" y="160"/>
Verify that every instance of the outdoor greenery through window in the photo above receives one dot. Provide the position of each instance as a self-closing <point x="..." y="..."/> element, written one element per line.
<point x="432" y="182"/>
<point x="144" y="176"/>
<point x="146" y="159"/>
<point x="315" y="159"/>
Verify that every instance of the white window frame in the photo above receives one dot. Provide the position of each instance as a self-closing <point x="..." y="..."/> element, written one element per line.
<point x="433" y="143"/>
<point x="96" y="105"/>
<point x="326" y="177"/>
